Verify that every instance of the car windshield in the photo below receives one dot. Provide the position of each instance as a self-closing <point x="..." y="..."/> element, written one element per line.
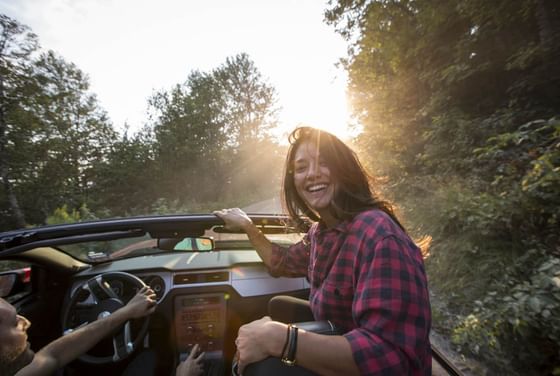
<point x="101" y="251"/>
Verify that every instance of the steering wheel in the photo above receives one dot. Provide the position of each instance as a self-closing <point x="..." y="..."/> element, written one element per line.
<point x="105" y="302"/>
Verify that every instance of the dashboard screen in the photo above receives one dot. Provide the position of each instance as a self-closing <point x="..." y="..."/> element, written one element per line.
<point x="200" y="319"/>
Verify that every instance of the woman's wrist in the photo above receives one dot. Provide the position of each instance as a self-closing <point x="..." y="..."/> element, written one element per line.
<point x="276" y="338"/>
<point x="249" y="227"/>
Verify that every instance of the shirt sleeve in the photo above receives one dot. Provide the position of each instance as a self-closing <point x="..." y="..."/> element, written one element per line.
<point x="391" y="309"/>
<point x="292" y="261"/>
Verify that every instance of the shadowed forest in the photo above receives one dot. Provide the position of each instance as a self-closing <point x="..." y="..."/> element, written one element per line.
<point x="459" y="106"/>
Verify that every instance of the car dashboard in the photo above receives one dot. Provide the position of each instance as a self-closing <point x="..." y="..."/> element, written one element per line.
<point x="203" y="298"/>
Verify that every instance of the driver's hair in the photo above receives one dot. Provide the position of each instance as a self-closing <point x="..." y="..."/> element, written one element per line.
<point x="354" y="185"/>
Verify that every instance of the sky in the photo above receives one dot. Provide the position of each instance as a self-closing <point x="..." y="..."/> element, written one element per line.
<point x="131" y="48"/>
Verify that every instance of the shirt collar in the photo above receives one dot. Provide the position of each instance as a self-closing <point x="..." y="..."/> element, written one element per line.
<point x="341" y="226"/>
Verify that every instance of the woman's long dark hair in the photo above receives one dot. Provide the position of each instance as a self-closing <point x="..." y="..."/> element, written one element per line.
<point x="354" y="193"/>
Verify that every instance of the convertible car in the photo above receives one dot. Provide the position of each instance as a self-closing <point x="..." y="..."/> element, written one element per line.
<point x="208" y="281"/>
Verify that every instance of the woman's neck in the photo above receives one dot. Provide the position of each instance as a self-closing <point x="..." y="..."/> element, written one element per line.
<point x="328" y="219"/>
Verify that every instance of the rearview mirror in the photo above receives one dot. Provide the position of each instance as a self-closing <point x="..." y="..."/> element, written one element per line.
<point x="200" y="244"/>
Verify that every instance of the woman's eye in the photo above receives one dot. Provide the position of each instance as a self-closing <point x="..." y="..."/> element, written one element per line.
<point x="300" y="169"/>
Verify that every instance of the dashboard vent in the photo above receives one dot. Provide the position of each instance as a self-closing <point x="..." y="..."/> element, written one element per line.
<point x="186" y="279"/>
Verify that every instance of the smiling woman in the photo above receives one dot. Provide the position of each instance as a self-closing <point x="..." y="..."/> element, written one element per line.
<point x="366" y="275"/>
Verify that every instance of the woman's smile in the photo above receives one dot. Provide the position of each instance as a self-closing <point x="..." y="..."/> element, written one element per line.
<point x="312" y="178"/>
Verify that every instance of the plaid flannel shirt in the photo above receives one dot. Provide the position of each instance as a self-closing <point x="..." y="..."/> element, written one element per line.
<point x="367" y="277"/>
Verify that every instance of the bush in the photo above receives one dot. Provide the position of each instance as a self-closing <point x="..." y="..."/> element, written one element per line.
<point x="63" y="215"/>
<point x="518" y="322"/>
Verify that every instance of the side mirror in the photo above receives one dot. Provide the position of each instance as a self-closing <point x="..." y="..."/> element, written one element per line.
<point x="199" y="244"/>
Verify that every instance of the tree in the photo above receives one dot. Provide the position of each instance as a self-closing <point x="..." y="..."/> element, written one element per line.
<point x="203" y="127"/>
<point x="52" y="128"/>
<point x="423" y="77"/>
<point x="460" y="102"/>
<point x="248" y="102"/>
<point x="190" y="136"/>
<point x="17" y="44"/>
<point x="71" y="134"/>
<point x="125" y="181"/>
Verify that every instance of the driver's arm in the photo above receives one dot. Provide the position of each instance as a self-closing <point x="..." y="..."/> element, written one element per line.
<point x="65" y="349"/>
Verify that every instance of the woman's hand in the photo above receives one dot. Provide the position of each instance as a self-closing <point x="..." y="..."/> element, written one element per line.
<point x="258" y="340"/>
<point x="235" y="219"/>
<point x="142" y="304"/>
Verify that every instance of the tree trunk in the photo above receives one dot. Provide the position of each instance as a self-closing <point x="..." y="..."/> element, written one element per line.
<point x="547" y="14"/>
<point x="19" y="219"/>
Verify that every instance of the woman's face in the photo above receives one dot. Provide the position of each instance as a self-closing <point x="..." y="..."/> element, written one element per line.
<point x="312" y="178"/>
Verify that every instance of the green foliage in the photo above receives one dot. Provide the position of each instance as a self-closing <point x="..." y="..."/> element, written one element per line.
<point x="124" y="181"/>
<point x="528" y="157"/>
<point x="163" y="207"/>
<point x="212" y="132"/>
<point x="520" y="307"/>
<point x="64" y="215"/>
<point x="52" y="130"/>
<point x="17" y="45"/>
<point x="458" y="102"/>
<point x="206" y="141"/>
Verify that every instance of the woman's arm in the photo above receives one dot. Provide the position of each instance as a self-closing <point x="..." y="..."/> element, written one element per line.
<point x="236" y="219"/>
<point x="322" y="354"/>
<point x="391" y="308"/>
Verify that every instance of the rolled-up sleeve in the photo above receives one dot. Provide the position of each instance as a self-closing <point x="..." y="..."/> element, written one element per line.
<point x="391" y="310"/>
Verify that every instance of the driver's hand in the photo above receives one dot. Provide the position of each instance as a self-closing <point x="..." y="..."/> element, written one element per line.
<point x="193" y="365"/>
<point x="235" y="219"/>
<point x="142" y="304"/>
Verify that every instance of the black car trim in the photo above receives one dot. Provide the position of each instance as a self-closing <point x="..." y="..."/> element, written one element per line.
<point x="73" y="240"/>
<point x="157" y="226"/>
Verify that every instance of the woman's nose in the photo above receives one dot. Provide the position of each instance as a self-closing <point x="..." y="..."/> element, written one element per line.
<point x="314" y="170"/>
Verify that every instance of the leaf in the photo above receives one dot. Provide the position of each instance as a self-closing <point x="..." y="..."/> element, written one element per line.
<point x="535" y="304"/>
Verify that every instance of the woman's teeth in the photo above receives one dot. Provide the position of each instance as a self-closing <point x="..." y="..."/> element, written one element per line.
<point x="316" y="188"/>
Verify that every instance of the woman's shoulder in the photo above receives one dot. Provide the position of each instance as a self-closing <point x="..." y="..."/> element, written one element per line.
<point x="374" y="222"/>
<point x="374" y="226"/>
<point x="372" y="216"/>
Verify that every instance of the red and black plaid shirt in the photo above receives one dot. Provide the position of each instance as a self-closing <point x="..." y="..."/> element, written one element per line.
<point x="367" y="277"/>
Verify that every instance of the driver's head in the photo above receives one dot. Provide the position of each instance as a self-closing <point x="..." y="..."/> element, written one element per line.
<point x="14" y="348"/>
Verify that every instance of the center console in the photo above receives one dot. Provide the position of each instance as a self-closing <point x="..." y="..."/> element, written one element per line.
<point x="200" y="319"/>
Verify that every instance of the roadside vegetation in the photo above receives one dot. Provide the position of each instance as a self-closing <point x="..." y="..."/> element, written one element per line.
<point x="459" y="104"/>
<point x="205" y="140"/>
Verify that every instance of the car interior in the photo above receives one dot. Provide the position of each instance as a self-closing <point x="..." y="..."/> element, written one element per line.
<point x="208" y="283"/>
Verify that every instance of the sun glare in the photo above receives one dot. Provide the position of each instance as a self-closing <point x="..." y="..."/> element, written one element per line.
<point x="320" y="105"/>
